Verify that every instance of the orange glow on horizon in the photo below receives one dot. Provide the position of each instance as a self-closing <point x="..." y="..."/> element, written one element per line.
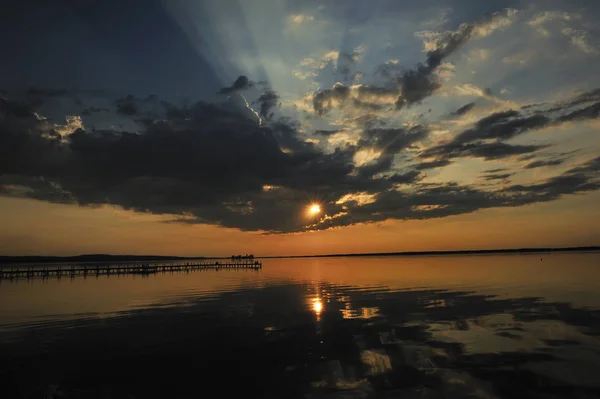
<point x="33" y="227"/>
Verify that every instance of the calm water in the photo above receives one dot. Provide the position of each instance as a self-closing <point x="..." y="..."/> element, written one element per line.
<point x="447" y="326"/>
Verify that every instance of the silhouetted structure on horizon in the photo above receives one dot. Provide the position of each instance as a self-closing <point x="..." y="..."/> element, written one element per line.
<point x="242" y="257"/>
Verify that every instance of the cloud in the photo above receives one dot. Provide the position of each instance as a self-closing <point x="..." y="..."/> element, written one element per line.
<point x="441" y="200"/>
<point x="439" y="163"/>
<point x="73" y="124"/>
<point x="327" y="133"/>
<point x="464" y="109"/>
<point x="92" y="110"/>
<point x="583" y="178"/>
<point x="267" y="101"/>
<point x="542" y="163"/>
<point x="393" y="140"/>
<point x="241" y="83"/>
<point x="580" y="39"/>
<point x="486" y="138"/>
<point x="503" y="126"/>
<point x="548" y="16"/>
<point x="495" y="170"/>
<point x="411" y="86"/>
<point x="487" y="151"/>
<point x="352" y="57"/>
<point x="500" y="176"/>
<point x="209" y="163"/>
<point x="360" y="97"/>
<point x="330" y="98"/>
<point x="206" y="162"/>
<point x="238" y="163"/>
<point x="540" y="20"/>
<point x="126" y="106"/>
<point x="300" y="18"/>
<point x="562" y="21"/>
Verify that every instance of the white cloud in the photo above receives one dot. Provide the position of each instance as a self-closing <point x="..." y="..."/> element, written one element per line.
<point x="498" y="21"/>
<point x="362" y="198"/>
<point x="580" y="39"/>
<point x="548" y="16"/>
<point x="300" y="18"/>
<point x="446" y="71"/>
<point x="331" y="55"/>
<point x="365" y="156"/>
<point x="432" y="40"/>
<point x="304" y="75"/>
<point x="479" y="55"/>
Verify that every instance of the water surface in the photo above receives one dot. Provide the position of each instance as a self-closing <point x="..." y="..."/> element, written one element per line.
<point x="430" y="326"/>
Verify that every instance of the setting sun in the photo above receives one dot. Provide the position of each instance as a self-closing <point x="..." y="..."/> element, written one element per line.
<point x="315" y="209"/>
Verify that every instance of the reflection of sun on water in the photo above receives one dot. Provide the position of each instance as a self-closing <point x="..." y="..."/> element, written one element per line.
<point x="317" y="306"/>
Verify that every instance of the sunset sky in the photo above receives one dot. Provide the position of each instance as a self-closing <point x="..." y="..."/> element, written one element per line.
<point x="213" y="127"/>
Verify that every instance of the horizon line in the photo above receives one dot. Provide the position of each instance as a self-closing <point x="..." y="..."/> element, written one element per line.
<point x="5" y="258"/>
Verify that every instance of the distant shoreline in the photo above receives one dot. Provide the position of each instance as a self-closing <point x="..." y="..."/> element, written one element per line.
<point x="152" y="258"/>
<point x="91" y="258"/>
<point x="433" y="253"/>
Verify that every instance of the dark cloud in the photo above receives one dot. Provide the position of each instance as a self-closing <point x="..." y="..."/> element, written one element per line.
<point x="383" y="164"/>
<point x="366" y="98"/>
<point x="527" y="157"/>
<point x="215" y="164"/>
<point x="367" y="106"/>
<point x="126" y="106"/>
<point x="589" y="112"/>
<point x="495" y="170"/>
<point x="392" y="141"/>
<point x="416" y="85"/>
<point x="267" y="101"/>
<point x="241" y="83"/>
<point x="491" y="177"/>
<point x="487" y="151"/>
<point x="421" y="82"/>
<point x="205" y="161"/>
<point x="541" y="163"/>
<point x="583" y="178"/>
<point x="486" y="138"/>
<point x="440" y="163"/>
<point x="502" y="126"/>
<point x="441" y="200"/>
<point x="586" y="97"/>
<point x="407" y="86"/>
<point x="497" y="150"/>
<point x="328" y="132"/>
<point x="93" y="110"/>
<point x="464" y="109"/>
<point x="406" y="178"/>
<point x="327" y="99"/>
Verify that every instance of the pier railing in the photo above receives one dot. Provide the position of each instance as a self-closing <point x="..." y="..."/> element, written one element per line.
<point x="109" y="270"/>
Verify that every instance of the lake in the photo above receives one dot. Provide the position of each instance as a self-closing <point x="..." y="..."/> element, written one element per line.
<point x="488" y="326"/>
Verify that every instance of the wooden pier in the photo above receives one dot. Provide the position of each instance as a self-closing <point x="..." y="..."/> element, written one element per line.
<point x="117" y="270"/>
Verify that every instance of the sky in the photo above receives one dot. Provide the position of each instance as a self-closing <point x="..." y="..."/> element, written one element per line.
<point x="208" y="128"/>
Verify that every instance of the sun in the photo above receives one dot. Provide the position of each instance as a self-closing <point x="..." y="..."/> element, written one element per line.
<point x="314" y="209"/>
